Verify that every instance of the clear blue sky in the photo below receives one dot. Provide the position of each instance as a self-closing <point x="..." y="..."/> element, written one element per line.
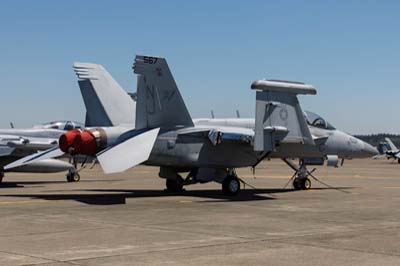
<point x="350" y="50"/>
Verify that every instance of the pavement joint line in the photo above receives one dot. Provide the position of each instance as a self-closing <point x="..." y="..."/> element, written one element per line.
<point x="55" y="232"/>
<point x="336" y="248"/>
<point x="277" y="240"/>
<point x="161" y="228"/>
<point x="244" y="241"/>
<point x="73" y="263"/>
<point x="31" y="256"/>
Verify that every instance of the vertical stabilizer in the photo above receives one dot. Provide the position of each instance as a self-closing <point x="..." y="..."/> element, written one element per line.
<point x="391" y="144"/>
<point x="159" y="103"/>
<point x="279" y="117"/>
<point x="106" y="102"/>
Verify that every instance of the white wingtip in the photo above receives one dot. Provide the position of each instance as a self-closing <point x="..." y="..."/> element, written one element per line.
<point x="129" y="153"/>
<point x="47" y="154"/>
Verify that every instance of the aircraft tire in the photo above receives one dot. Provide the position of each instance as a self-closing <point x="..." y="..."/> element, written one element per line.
<point x="398" y="160"/>
<point x="76" y="177"/>
<point x="231" y="186"/>
<point x="73" y="177"/>
<point x="173" y="186"/>
<point x="307" y="183"/>
<point x="302" y="184"/>
<point x="296" y="184"/>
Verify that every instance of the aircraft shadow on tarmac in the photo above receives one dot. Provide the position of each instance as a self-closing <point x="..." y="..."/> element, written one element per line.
<point x="21" y="184"/>
<point x="119" y="196"/>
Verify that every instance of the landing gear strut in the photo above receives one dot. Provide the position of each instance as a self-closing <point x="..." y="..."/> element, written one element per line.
<point x="231" y="184"/>
<point x="73" y="176"/>
<point x="1" y="176"/>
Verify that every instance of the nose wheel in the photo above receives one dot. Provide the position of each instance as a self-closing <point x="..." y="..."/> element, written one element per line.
<point x="301" y="184"/>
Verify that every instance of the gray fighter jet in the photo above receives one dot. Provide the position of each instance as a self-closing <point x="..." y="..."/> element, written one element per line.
<point x="157" y="130"/>
<point x="389" y="150"/>
<point x="18" y="143"/>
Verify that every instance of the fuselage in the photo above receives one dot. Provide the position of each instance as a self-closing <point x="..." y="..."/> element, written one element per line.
<point x="194" y="149"/>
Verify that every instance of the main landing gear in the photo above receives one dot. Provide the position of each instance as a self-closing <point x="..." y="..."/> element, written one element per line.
<point x="231" y="184"/>
<point x="1" y="176"/>
<point x="174" y="185"/>
<point x="226" y="177"/>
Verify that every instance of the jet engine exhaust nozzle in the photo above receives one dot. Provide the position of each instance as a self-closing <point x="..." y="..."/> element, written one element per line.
<point x="67" y="140"/>
<point x="86" y="142"/>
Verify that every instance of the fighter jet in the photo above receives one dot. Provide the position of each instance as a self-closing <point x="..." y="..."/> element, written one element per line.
<point x="18" y="143"/>
<point x="158" y="131"/>
<point x="389" y="150"/>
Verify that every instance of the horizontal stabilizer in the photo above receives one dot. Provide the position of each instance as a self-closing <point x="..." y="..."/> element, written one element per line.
<point x="128" y="153"/>
<point x="47" y="154"/>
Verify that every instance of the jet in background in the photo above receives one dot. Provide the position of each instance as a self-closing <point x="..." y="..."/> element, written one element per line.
<point x="157" y="130"/>
<point x="19" y="143"/>
<point x="388" y="150"/>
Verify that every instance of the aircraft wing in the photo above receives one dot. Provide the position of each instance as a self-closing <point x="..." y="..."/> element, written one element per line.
<point x="42" y="155"/>
<point x="22" y="146"/>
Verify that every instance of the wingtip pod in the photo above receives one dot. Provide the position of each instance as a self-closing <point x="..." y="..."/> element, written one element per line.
<point x="284" y="86"/>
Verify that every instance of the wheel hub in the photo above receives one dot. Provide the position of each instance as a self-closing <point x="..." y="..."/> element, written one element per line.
<point x="233" y="185"/>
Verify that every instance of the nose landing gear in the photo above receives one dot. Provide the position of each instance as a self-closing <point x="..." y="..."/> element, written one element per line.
<point x="300" y="179"/>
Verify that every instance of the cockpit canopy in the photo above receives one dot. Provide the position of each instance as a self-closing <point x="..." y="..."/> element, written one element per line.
<point x="61" y="125"/>
<point x="317" y="121"/>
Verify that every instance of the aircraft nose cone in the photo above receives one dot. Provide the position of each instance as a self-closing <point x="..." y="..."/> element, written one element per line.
<point x="368" y="150"/>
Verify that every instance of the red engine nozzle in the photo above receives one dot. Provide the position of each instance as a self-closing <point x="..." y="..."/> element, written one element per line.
<point x="78" y="142"/>
<point x="67" y="139"/>
<point x="85" y="143"/>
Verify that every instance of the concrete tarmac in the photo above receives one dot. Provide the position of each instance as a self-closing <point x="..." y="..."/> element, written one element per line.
<point x="127" y="219"/>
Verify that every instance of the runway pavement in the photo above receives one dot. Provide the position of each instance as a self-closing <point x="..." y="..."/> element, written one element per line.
<point x="127" y="219"/>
